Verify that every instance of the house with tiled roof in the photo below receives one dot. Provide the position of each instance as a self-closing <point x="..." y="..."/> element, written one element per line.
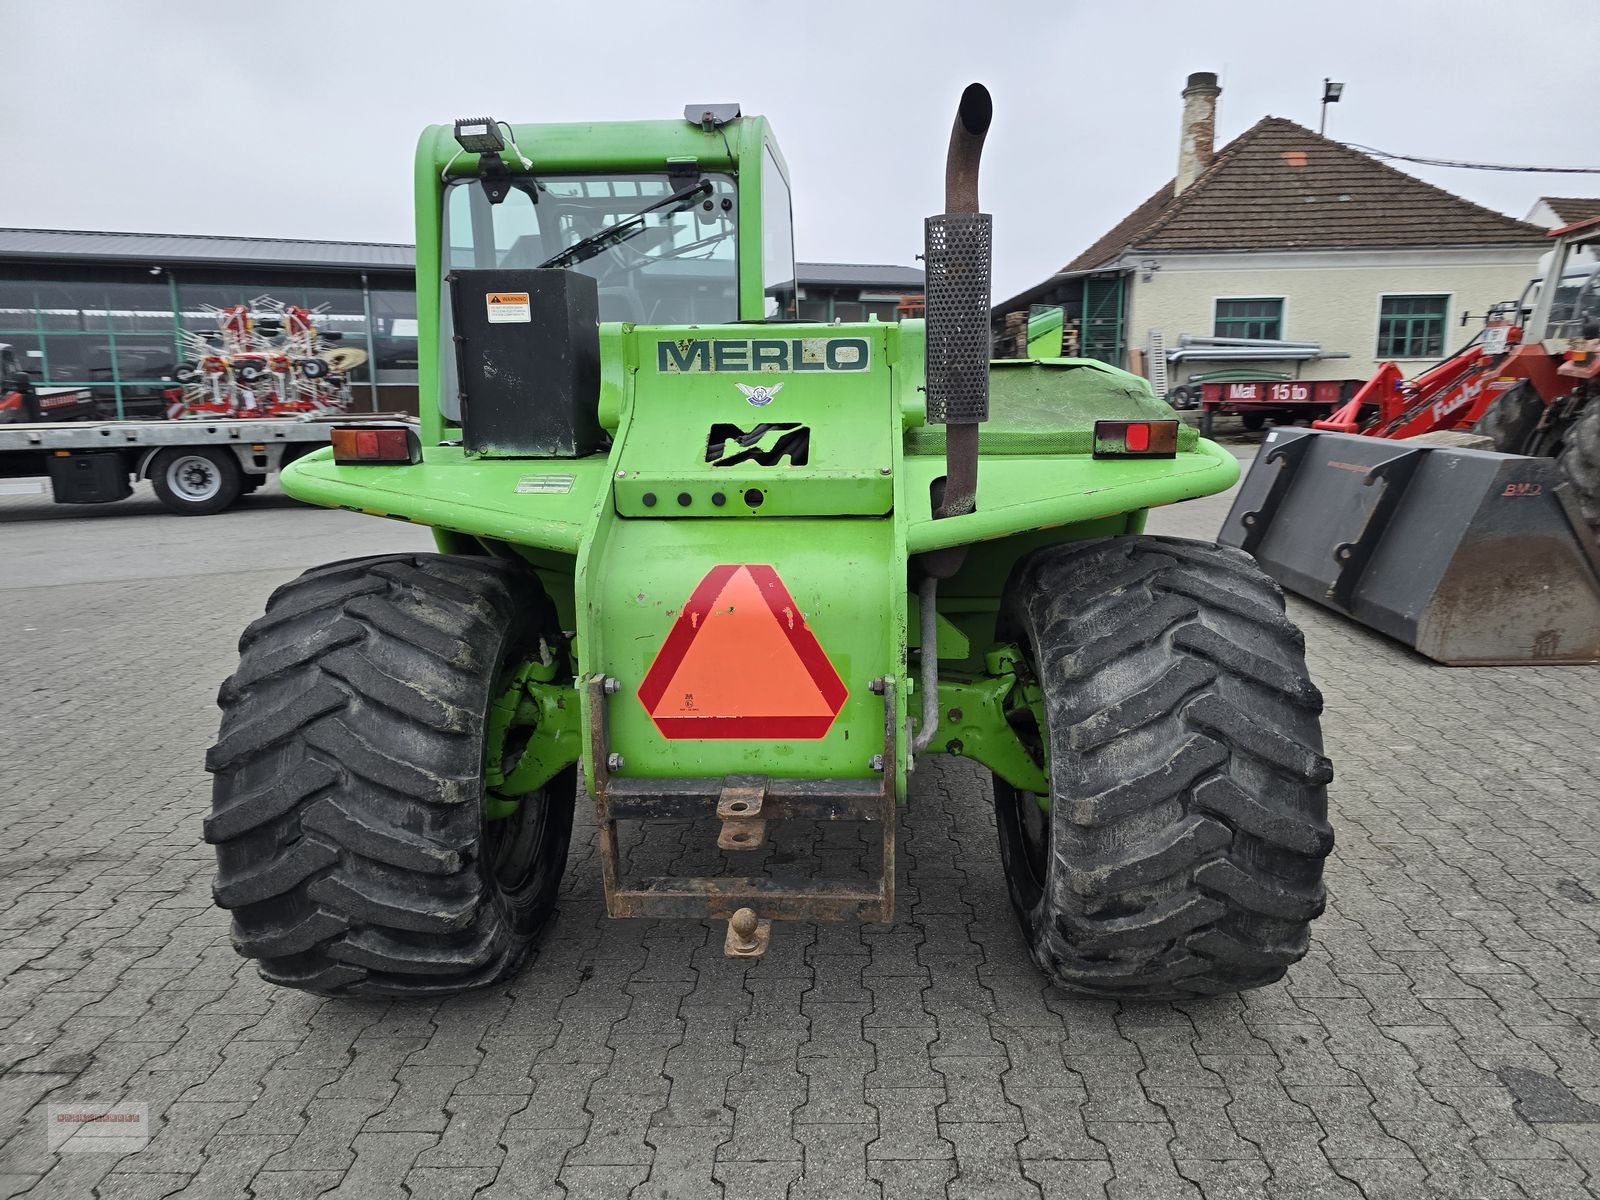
<point x="1554" y="212"/>
<point x="1285" y="234"/>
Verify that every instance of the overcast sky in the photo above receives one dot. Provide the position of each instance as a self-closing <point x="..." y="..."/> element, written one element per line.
<point x="297" y="118"/>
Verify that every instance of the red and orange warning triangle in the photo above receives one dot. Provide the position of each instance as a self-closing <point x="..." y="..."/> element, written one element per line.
<point x="740" y="662"/>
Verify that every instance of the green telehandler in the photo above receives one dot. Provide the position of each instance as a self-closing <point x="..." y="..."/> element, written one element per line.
<point x="699" y="562"/>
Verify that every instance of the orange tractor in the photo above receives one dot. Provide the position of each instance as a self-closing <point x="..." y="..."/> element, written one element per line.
<point x="1525" y="382"/>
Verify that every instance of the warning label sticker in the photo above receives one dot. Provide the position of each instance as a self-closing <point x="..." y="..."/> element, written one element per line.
<point x="509" y="308"/>
<point x="741" y="662"/>
<point x="544" y="483"/>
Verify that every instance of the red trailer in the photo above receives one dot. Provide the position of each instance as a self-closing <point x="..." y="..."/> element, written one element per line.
<point x="1285" y="401"/>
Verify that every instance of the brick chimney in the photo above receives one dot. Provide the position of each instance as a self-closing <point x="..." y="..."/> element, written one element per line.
<point x="1197" y="138"/>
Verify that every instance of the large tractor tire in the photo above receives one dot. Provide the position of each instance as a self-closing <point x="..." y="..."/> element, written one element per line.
<point x="1580" y="459"/>
<point x="348" y="804"/>
<point x="1181" y="849"/>
<point x="1510" y="421"/>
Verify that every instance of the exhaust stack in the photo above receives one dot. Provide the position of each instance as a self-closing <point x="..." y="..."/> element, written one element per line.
<point x="958" y="251"/>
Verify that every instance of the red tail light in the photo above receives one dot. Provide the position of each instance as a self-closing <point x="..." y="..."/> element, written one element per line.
<point x="1136" y="439"/>
<point x="386" y="445"/>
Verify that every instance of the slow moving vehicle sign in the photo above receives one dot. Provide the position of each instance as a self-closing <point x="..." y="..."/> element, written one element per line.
<point x="741" y="662"/>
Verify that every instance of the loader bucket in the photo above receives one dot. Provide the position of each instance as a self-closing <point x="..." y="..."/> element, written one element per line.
<point x="1470" y="557"/>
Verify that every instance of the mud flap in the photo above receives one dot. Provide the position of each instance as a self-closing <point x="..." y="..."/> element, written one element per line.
<point x="1470" y="557"/>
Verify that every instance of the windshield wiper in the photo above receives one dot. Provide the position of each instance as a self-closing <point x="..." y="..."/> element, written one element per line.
<point x="602" y="240"/>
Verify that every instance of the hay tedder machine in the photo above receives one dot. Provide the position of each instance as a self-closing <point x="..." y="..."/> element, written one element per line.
<point x="703" y="566"/>
<point x="1455" y="511"/>
<point x="265" y="359"/>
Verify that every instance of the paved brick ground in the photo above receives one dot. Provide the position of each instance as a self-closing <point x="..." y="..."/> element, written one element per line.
<point x="1438" y="1041"/>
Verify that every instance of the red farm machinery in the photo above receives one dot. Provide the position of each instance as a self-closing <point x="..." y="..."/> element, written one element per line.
<point x="1456" y="510"/>
<point x="1524" y="383"/>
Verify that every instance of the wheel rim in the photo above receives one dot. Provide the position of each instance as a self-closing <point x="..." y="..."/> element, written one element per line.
<point x="194" y="478"/>
<point x="1027" y="814"/>
<point x="1033" y="824"/>
<point x="510" y="850"/>
<point x="511" y="845"/>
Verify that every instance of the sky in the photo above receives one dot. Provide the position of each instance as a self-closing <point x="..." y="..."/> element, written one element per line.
<point x="298" y="118"/>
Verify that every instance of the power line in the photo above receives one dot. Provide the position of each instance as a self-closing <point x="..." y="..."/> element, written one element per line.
<point x="1471" y="166"/>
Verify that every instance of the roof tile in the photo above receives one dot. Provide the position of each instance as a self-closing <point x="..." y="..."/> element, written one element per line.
<point x="1279" y="186"/>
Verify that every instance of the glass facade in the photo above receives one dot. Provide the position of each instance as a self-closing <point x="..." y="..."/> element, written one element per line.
<point x="120" y="334"/>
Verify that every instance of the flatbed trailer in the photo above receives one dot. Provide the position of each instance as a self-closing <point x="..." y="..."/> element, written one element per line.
<point x="195" y="467"/>
<point x="1284" y="401"/>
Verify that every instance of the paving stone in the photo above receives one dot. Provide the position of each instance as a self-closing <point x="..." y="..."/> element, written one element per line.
<point x="448" y="1183"/>
<point x="903" y="1058"/>
<point x="1115" y="1091"/>
<point x="835" y="1092"/>
<point x="835" y="1163"/>
<point x="907" y="1124"/>
<point x="472" y="1139"/>
<point x="974" y="1091"/>
<point x="1231" y="1179"/>
<point x="603" y="1183"/>
<point x="763" y="1118"/>
<point x="1544" y="1179"/>
<point x="559" y="1099"/>
<point x="419" y="1104"/>
<point x="1200" y="1124"/>
<point x="684" y="1160"/>
<point x="1141" y="1166"/>
<point x="756" y="1180"/>
<point x="325" y="1143"/>
<point x="533" y="1163"/>
<point x="280" y="1105"/>
<point x="1386" y="1178"/>
<point x="230" y="1163"/>
<point x="987" y="1162"/>
<point x="118" y="1186"/>
<point x="1068" y="1180"/>
<point x="179" y="1145"/>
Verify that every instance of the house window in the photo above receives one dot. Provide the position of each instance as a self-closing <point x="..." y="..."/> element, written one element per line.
<point x="1411" y="326"/>
<point x="1258" y="317"/>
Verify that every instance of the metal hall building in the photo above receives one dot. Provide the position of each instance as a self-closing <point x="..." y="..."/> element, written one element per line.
<point x="105" y="310"/>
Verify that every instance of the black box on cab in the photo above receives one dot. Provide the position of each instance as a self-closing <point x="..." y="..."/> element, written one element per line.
<point x="528" y="362"/>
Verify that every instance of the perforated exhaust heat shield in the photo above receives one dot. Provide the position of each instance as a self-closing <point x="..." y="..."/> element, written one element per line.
<point x="959" y="247"/>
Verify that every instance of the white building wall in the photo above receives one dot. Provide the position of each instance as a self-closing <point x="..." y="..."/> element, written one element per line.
<point x="1329" y="297"/>
<point x="1542" y="214"/>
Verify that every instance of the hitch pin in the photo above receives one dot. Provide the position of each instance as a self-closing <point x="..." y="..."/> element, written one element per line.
<point x="748" y="935"/>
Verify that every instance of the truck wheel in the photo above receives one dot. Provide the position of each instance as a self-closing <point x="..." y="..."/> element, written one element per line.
<point x="348" y="804"/>
<point x="1181" y="848"/>
<point x="1254" y="422"/>
<point x="1580" y="460"/>
<point x="196" y="481"/>
<point x="1510" y="421"/>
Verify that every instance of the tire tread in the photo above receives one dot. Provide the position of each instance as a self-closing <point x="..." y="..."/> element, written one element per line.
<point x="348" y="773"/>
<point x="1189" y="806"/>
